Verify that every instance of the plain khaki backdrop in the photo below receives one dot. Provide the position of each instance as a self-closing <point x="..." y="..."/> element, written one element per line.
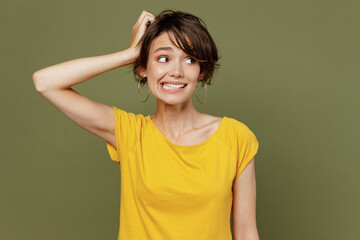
<point x="290" y="72"/>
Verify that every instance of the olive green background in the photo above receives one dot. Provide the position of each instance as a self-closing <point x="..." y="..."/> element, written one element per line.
<point x="289" y="71"/>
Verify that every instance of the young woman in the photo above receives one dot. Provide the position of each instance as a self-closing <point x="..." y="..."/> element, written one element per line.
<point x="182" y="171"/>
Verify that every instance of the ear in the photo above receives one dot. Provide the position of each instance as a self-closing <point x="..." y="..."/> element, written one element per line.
<point x="142" y="72"/>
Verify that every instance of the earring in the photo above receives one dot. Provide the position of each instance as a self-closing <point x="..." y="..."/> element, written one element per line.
<point x="205" y="95"/>
<point x="139" y="91"/>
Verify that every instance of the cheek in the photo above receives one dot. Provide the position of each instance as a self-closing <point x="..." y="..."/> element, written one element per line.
<point x="194" y="73"/>
<point x="156" y="71"/>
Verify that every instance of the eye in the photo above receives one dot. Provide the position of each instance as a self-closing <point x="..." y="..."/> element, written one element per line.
<point x="191" y="60"/>
<point x="162" y="59"/>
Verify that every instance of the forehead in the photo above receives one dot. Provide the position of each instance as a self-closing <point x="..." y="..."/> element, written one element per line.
<point x="163" y="40"/>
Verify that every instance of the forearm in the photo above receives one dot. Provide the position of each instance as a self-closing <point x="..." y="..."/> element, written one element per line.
<point x="69" y="73"/>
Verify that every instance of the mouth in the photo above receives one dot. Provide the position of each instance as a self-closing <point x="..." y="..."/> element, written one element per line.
<point x="172" y="86"/>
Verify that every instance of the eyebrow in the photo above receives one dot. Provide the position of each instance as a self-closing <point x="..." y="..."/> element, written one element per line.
<point x="163" y="48"/>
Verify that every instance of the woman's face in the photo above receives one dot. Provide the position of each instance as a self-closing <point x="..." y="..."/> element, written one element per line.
<point x="171" y="74"/>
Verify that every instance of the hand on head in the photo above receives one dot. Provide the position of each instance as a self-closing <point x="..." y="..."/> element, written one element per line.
<point x="138" y="30"/>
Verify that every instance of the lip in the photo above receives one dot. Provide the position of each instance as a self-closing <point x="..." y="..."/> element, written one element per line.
<point x="173" y="82"/>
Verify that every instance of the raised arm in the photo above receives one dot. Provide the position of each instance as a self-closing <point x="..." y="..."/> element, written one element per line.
<point x="55" y="82"/>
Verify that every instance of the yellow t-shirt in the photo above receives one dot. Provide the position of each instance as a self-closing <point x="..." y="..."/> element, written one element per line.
<point x="177" y="192"/>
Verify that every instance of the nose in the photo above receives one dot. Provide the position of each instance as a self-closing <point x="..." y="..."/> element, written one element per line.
<point x="176" y="69"/>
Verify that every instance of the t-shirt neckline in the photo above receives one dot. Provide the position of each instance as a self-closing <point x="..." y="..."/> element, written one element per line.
<point x="186" y="146"/>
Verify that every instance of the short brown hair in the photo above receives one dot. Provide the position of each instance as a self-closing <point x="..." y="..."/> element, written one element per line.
<point x="182" y="25"/>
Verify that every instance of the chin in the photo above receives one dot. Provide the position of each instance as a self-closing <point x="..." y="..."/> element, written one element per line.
<point x="174" y="100"/>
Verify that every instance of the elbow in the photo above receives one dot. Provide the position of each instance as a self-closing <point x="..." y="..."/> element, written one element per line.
<point x="37" y="82"/>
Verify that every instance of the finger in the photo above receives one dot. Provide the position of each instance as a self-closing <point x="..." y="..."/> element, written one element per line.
<point x="141" y="18"/>
<point x="148" y="19"/>
<point x="146" y="23"/>
<point x="141" y="26"/>
<point x="143" y="15"/>
<point x="148" y="13"/>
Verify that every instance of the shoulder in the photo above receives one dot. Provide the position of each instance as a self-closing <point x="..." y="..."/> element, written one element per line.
<point x="129" y="122"/>
<point x="121" y="113"/>
<point x="239" y="129"/>
<point x="236" y="124"/>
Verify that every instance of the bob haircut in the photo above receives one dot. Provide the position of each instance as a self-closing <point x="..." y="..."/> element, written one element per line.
<point x="191" y="35"/>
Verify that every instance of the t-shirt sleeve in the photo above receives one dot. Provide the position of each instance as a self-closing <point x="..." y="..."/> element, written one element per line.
<point x="125" y="125"/>
<point x="247" y="145"/>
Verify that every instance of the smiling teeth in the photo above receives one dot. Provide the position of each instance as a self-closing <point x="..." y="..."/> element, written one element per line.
<point x="172" y="86"/>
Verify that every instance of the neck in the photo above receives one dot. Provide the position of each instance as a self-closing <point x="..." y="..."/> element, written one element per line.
<point x="176" y="119"/>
